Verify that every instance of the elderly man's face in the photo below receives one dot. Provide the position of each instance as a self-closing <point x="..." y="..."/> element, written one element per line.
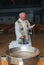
<point x="23" y="16"/>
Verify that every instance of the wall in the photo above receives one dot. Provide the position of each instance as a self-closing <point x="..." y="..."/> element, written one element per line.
<point x="8" y="16"/>
<point x="7" y="19"/>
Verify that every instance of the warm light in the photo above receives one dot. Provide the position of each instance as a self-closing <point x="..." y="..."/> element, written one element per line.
<point x="4" y="62"/>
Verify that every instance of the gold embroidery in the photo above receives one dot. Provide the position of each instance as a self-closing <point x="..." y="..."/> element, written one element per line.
<point x="22" y="30"/>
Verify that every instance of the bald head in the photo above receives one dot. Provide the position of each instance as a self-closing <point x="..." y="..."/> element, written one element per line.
<point x="22" y="15"/>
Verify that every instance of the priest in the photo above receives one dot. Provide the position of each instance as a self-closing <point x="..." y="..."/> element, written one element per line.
<point x="23" y="30"/>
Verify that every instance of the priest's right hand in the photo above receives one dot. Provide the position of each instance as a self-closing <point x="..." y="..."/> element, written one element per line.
<point x="22" y="37"/>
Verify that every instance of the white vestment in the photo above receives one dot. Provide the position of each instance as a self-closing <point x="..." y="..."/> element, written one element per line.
<point x="18" y="35"/>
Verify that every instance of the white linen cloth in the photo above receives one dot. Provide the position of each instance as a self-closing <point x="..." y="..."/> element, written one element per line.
<point x="14" y="44"/>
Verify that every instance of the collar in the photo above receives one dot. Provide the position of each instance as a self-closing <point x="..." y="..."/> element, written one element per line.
<point x="21" y="20"/>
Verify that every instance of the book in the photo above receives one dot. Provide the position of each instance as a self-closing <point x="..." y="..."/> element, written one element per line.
<point x="31" y="26"/>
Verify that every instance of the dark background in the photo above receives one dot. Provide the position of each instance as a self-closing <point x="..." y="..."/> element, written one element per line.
<point x="10" y="3"/>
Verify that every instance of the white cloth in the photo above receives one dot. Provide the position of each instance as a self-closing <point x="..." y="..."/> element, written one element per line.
<point x="14" y="44"/>
<point x="18" y="34"/>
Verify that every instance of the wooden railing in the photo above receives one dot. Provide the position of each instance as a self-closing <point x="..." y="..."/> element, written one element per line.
<point x="7" y="28"/>
<point x="38" y="28"/>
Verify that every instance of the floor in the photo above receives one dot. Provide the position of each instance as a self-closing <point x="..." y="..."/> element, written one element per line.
<point x="37" y="41"/>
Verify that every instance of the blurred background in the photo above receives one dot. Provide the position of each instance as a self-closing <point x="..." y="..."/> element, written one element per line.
<point x="9" y="11"/>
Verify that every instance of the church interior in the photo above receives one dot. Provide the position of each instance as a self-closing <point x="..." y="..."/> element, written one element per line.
<point x="9" y="11"/>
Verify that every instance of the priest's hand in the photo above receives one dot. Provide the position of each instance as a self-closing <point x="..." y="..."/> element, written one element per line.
<point x="22" y="37"/>
<point x="29" y="29"/>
